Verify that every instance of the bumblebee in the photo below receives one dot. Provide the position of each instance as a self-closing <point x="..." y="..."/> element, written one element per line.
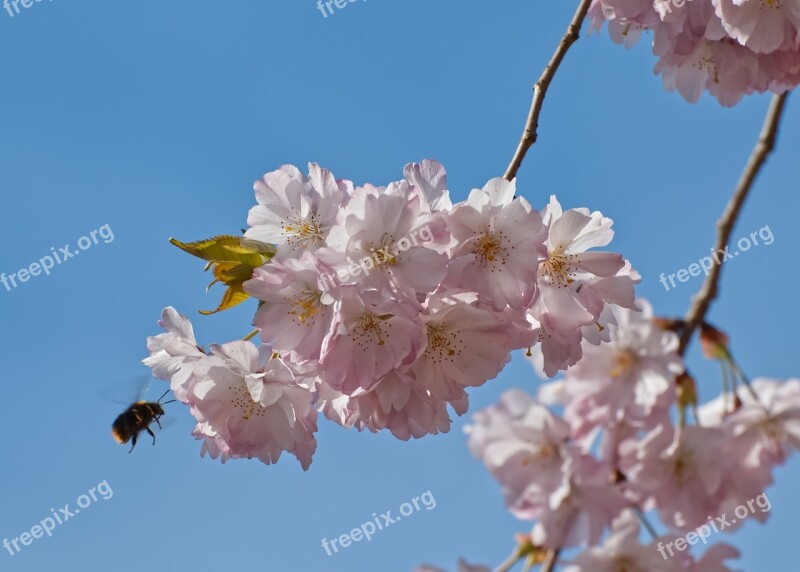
<point x="137" y="418"/>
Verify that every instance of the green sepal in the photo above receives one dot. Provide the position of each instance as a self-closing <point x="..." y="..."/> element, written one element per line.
<point x="232" y="260"/>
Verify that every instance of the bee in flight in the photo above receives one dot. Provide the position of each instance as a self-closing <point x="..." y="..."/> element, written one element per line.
<point x="137" y="418"/>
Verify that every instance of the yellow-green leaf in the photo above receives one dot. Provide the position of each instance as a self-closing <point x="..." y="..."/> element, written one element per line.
<point x="231" y="273"/>
<point x="232" y="260"/>
<point x="233" y="296"/>
<point x="227" y="248"/>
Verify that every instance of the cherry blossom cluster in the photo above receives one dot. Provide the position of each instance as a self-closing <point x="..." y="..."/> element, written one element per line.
<point x="382" y="305"/>
<point x="583" y="476"/>
<point x="729" y="48"/>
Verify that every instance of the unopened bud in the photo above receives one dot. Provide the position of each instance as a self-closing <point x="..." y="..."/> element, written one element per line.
<point x="714" y="342"/>
<point x="527" y="549"/>
<point x="669" y="324"/>
<point x="617" y="477"/>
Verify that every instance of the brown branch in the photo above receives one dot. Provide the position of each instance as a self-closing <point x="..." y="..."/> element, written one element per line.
<point x="550" y="562"/>
<point x="766" y="143"/>
<point x="530" y="133"/>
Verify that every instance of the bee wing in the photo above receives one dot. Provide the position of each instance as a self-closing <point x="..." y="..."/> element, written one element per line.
<point x="168" y="421"/>
<point x="148" y="383"/>
<point x="126" y="391"/>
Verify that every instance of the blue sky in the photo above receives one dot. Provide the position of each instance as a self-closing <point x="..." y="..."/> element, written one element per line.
<point x="155" y="118"/>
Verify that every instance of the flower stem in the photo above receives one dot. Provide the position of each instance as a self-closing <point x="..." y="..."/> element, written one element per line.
<point x="509" y="562"/>
<point x="550" y="562"/>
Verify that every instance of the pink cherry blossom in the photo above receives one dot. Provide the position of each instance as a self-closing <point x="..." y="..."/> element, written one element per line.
<point x="293" y="316"/>
<point x="576" y="286"/>
<point x="681" y="472"/>
<point x="556" y="350"/>
<point x="763" y="27"/>
<point x="621" y="551"/>
<point x="627" y="19"/>
<point x="765" y="431"/>
<point x="497" y="242"/>
<point x="568" y="268"/>
<point x="380" y="241"/>
<point x="631" y="377"/>
<point x="296" y="211"/>
<point x="525" y="447"/>
<point x="466" y="345"/>
<point x="249" y="405"/>
<point x="430" y="180"/>
<point x="396" y="402"/>
<point x="581" y="508"/>
<point x="371" y="335"/>
<point x="729" y="48"/>
<point x="174" y="354"/>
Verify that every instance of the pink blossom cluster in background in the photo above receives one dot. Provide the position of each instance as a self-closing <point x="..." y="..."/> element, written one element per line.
<point x="614" y="451"/>
<point x="729" y="48"/>
<point x="384" y="304"/>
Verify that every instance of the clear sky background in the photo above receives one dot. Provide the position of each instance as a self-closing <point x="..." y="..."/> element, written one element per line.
<point x="156" y="117"/>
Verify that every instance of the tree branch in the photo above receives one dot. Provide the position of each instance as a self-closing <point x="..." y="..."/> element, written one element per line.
<point x="530" y="133"/>
<point x="766" y="143"/>
<point x="550" y="562"/>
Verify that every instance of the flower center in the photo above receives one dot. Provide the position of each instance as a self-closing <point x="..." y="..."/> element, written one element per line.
<point x="490" y="247"/>
<point x="369" y="330"/>
<point x="305" y="307"/>
<point x="682" y="468"/>
<point x="707" y="62"/>
<point x="303" y="231"/>
<point x="624" y="564"/>
<point x="441" y="341"/>
<point x="243" y="402"/>
<point x="541" y="453"/>
<point x="558" y="269"/>
<point x="625" y="361"/>
<point x="382" y="254"/>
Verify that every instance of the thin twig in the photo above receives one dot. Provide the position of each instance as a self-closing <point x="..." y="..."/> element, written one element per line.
<point x="509" y="562"/>
<point x="530" y="133"/>
<point x="766" y="143"/>
<point x="550" y="562"/>
<point x="745" y="380"/>
<point x="644" y="520"/>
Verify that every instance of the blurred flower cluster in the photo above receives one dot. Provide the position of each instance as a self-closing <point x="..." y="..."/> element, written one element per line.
<point x="729" y="48"/>
<point x="602" y="447"/>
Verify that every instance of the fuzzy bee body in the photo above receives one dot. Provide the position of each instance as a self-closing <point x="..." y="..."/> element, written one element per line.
<point x="135" y="419"/>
